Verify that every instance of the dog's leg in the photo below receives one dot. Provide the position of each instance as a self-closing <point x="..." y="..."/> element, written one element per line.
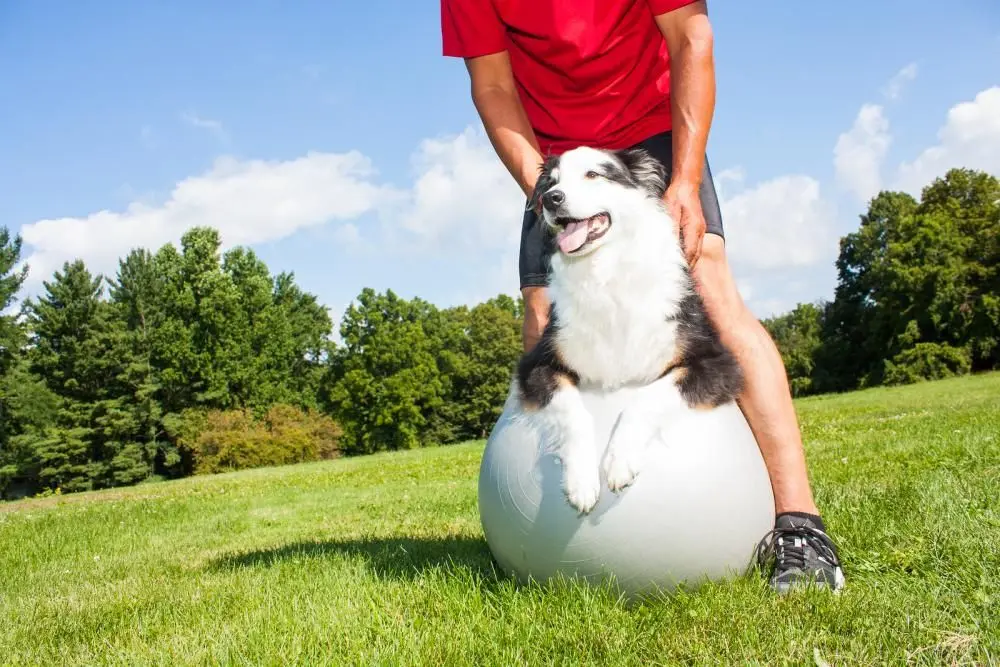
<point x="637" y="425"/>
<point x="568" y="428"/>
<point x="573" y="429"/>
<point x="550" y="396"/>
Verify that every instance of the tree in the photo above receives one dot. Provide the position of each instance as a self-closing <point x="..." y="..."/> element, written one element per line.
<point x="74" y="336"/>
<point x="917" y="293"/>
<point x="954" y="265"/>
<point x="26" y="405"/>
<point x="797" y="335"/>
<point x="384" y="381"/>
<point x="278" y="357"/>
<point x="489" y="349"/>
<point x="857" y="332"/>
<point x="108" y="384"/>
<point x="11" y="279"/>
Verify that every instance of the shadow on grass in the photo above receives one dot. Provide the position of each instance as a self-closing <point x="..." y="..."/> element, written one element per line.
<point x="402" y="558"/>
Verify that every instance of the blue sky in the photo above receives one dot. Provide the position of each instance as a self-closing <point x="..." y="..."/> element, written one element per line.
<point x="109" y="105"/>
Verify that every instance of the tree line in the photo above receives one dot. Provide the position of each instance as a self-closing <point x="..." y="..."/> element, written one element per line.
<point x="191" y="360"/>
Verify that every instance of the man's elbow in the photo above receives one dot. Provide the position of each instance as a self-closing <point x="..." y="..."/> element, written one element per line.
<point x="490" y="76"/>
<point x="696" y="38"/>
<point x="489" y="94"/>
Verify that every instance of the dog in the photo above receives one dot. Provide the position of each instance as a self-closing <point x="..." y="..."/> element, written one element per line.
<point x="624" y="313"/>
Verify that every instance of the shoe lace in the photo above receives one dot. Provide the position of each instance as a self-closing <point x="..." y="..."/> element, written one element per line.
<point x="786" y="546"/>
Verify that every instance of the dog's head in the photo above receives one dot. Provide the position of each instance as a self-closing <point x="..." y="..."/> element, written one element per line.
<point x="589" y="197"/>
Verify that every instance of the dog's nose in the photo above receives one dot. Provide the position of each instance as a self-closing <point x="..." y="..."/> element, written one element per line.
<point x="553" y="199"/>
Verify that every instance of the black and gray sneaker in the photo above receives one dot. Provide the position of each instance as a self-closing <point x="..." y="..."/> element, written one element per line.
<point x="802" y="553"/>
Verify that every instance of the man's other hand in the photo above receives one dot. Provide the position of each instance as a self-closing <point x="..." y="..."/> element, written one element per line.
<point x="684" y="206"/>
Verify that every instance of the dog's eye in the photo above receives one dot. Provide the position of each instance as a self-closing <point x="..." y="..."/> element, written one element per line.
<point x="592" y="175"/>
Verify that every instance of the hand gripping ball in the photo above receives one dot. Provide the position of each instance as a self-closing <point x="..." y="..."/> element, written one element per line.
<point x="695" y="512"/>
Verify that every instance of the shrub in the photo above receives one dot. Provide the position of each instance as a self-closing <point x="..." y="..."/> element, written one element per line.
<point x="225" y="440"/>
<point x="927" y="361"/>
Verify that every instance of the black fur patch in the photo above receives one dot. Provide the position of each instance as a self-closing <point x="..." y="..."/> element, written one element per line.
<point x="711" y="375"/>
<point x="644" y="171"/>
<point x="618" y="173"/>
<point x="545" y="181"/>
<point x="540" y="369"/>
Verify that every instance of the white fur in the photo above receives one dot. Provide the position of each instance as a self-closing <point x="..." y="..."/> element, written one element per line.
<point x="614" y="301"/>
<point x="568" y="428"/>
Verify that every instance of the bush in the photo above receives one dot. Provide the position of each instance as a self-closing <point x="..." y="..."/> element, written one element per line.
<point x="927" y="361"/>
<point x="226" y="440"/>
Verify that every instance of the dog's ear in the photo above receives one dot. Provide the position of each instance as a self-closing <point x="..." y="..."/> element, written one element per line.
<point x="648" y="172"/>
<point x="545" y="181"/>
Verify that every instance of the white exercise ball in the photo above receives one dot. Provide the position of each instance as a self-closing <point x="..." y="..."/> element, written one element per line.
<point x="695" y="512"/>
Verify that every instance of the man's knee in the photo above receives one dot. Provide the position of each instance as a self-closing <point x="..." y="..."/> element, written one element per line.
<point x="716" y="284"/>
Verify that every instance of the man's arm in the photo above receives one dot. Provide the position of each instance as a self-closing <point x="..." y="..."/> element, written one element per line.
<point x="495" y="97"/>
<point x="688" y="35"/>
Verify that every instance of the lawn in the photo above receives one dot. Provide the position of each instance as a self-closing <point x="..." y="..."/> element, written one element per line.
<point x="380" y="560"/>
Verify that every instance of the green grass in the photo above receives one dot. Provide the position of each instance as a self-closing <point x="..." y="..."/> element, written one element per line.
<point x="380" y="560"/>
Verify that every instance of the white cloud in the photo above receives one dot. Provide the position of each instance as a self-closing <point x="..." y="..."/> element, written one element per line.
<point x="781" y="239"/>
<point x="969" y="138"/>
<point x="462" y="193"/>
<point x="859" y="152"/>
<point x="731" y="177"/>
<point x="251" y="201"/>
<point x="898" y="82"/>
<point x="780" y="223"/>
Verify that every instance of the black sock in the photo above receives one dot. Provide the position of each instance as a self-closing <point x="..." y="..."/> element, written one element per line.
<point x="816" y="520"/>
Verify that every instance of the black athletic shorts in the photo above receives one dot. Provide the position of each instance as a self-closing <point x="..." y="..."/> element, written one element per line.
<point x="537" y="245"/>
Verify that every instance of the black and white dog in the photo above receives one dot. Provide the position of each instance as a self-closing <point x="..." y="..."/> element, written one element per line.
<point x="624" y="313"/>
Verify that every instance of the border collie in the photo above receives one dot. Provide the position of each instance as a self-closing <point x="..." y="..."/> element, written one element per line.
<point x="625" y="313"/>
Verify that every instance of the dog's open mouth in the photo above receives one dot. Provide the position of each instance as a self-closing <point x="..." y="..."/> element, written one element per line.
<point x="575" y="234"/>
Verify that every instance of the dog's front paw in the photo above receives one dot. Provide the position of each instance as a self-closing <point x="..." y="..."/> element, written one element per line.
<point x="621" y="465"/>
<point x="582" y="487"/>
<point x="624" y="457"/>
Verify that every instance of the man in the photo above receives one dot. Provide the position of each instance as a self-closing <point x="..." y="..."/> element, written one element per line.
<point x="550" y="75"/>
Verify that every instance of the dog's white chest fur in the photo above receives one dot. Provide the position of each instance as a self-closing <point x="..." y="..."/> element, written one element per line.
<point x="616" y="311"/>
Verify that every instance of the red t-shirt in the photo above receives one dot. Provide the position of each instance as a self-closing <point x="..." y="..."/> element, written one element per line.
<point x="589" y="72"/>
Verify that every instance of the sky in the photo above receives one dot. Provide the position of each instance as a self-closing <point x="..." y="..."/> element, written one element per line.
<point x="336" y="141"/>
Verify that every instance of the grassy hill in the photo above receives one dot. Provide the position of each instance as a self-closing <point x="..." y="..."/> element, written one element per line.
<point x="380" y="560"/>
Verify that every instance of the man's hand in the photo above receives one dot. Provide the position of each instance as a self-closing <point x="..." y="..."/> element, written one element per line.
<point x="684" y="206"/>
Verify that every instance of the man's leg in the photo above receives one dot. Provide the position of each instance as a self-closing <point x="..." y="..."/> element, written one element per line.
<point x="802" y="550"/>
<point x="799" y="543"/>
<point x="767" y="402"/>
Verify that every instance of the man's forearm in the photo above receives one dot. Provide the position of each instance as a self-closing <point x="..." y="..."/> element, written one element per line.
<point x="692" y="85"/>
<point x="510" y="133"/>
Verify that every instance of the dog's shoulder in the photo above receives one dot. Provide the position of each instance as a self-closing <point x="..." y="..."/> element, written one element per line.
<point x="542" y="369"/>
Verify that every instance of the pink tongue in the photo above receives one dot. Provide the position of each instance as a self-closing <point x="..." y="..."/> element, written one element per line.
<point x="573" y="236"/>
